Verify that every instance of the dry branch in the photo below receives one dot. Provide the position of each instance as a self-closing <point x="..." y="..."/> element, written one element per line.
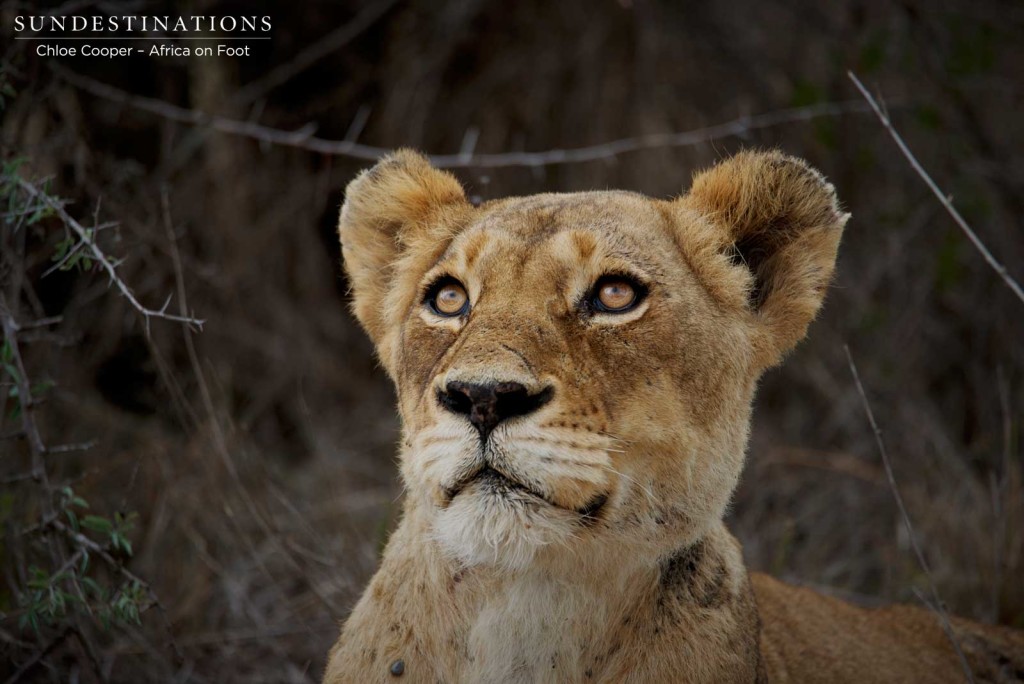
<point x="28" y="424"/>
<point x="102" y="259"/>
<point x="941" y="196"/>
<point x="936" y="602"/>
<point x="303" y="138"/>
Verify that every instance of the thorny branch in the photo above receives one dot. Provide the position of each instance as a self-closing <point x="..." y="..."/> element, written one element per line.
<point x="942" y="197"/>
<point x="935" y="603"/>
<point x="102" y="259"/>
<point x="28" y="424"/>
<point x="66" y="545"/>
<point x="303" y="138"/>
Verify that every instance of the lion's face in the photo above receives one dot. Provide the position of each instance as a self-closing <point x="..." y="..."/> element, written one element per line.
<point x="577" y="369"/>
<point x="588" y="417"/>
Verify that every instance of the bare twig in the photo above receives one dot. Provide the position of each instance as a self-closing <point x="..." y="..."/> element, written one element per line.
<point x="936" y="602"/>
<point x="40" y="323"/>
<point x="941" y="196"/>
<point x="70" y="448"/>
<point x="358" y="123"/>
<point x="333" y="41"/>
<point x="13" y="479"/>
<point x="28" y="423"/>
<point x="303" y="138"/>
<point x="104" y="261"/>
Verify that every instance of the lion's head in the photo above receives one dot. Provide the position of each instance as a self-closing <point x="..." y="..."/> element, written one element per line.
<point x="577" y="369"/>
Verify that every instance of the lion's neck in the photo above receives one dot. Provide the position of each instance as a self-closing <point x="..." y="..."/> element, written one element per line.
<point x="549" y="623"/>
<point x="594" y="617"/>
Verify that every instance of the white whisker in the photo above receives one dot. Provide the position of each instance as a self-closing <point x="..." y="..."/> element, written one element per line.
<point x="650" y="494"/>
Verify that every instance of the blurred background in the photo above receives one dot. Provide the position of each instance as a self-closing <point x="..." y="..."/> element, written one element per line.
<point x="206" y="505"/>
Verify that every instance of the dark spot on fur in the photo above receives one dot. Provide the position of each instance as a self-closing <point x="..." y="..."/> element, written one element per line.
<point x="692" y="576"/>
<point x="680" y="569"/>
<point x="397" y="668"/>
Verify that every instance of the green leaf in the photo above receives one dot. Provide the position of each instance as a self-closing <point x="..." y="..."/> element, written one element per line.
<point x="38" y="578"/>
<point x="94" y="588"/>
<point x="42" y="387"/>
<point x="97" y="524"/>
<point x="119" y="542"/>
<point x="126" y="604"/>
<point x="12" y="371"/>
<point x="62" y="248"/>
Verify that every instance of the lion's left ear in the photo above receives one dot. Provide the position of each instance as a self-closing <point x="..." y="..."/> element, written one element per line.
<point x="396" y="215"/>
<point x="778" y="222"/>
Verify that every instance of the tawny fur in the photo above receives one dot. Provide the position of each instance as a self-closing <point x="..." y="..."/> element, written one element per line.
<point x="649" y="414"/>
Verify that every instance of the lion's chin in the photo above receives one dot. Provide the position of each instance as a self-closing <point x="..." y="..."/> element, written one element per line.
<point x="485" y="525"/>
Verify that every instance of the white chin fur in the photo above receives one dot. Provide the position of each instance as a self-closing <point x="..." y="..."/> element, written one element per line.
<point x="481" y="527"/>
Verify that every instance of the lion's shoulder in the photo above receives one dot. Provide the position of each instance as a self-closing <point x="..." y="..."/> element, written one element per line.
<point x="810" y="637"/>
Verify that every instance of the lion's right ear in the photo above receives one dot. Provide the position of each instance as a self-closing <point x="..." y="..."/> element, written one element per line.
<point x="399" y="212"/>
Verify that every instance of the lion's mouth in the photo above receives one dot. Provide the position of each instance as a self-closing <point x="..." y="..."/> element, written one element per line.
<point x="499" y="484"/>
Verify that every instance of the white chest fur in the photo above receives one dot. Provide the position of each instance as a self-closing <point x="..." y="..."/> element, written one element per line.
<point x="542" y="629"/>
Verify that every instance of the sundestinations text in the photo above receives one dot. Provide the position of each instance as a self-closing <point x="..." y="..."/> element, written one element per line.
<point x="132" y="23"/>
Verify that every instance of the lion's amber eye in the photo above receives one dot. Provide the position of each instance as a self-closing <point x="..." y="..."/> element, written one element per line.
<point x="615" y="295"/>
<point x="450" y="299"/>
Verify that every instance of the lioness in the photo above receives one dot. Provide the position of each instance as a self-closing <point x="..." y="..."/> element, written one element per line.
<point x="575" y="375"/>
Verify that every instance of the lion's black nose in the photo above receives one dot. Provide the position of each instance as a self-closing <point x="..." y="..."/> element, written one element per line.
<point x="486" y="405"/>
